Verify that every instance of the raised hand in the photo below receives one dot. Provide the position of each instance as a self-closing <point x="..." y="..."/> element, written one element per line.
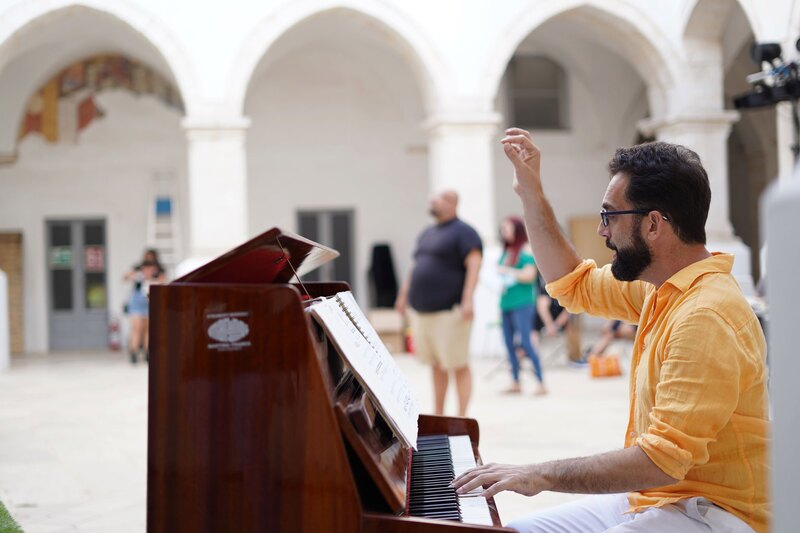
<point x="525" y="156"/>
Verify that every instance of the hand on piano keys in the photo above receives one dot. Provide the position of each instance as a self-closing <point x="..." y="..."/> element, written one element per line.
<point x="488" y="480"/>
<point x="438" y="461"/>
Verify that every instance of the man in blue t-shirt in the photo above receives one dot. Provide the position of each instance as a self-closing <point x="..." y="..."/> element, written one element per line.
<point x="439" y="290"/>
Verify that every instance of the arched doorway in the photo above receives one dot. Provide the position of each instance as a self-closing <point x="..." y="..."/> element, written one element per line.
<point x="95" y="140"/>
<point x="582" y="88"/>
<point x="336" y="148"/>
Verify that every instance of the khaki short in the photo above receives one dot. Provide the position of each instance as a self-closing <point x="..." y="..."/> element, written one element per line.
<point x="441" y="338"/>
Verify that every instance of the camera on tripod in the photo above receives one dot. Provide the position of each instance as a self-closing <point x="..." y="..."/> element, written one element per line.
<point x="778" y="82"/>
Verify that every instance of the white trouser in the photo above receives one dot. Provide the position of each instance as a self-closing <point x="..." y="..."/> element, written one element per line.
<point x="606" y="512"/>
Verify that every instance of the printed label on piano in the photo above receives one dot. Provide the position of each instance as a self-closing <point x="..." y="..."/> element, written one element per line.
<point x="229" y="330"/>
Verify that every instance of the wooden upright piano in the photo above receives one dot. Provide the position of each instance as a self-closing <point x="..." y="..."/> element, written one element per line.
<point x="257" y="425"/>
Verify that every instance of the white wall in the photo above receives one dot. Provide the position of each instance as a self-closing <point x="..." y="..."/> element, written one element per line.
<point x="337" y="123"/>
<point x="106" y="174"/>
<point x="606" y="98"/>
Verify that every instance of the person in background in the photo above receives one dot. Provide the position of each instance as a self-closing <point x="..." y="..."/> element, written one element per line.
<point x="439" y="289"/>
<point x="517" y="269"/>
<point x="550" y="320"/>
<point x="142" y="275"/>
<point x="550" y="316"/>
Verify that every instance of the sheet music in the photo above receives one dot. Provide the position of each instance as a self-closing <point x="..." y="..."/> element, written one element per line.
<point x="371" y="362"/>
<point x="401" y="390"/>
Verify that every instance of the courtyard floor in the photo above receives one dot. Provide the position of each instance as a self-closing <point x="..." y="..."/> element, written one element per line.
<point x="73" y="434"/>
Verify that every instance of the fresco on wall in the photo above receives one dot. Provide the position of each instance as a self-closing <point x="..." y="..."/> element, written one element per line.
<point x="66" y="104"/>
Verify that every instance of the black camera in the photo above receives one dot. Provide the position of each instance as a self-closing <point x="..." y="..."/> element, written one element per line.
<point x="778" y="83"/>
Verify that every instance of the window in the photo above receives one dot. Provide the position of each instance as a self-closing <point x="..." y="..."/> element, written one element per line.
<point x="537" y="93"/>
<point x="61" y="265"/>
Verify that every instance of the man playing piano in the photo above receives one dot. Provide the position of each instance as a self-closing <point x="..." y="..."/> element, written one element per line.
<point x="696" y="445"/>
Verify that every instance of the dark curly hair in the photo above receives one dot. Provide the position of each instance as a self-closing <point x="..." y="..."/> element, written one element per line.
<point x="668" y="178"/>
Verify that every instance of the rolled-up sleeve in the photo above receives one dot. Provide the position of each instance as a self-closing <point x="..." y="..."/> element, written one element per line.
<point x="697" y="393"/>
<point x="588" y="289"/>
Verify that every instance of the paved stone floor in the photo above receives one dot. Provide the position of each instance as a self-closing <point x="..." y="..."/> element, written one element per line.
<point x="73" y="434"/>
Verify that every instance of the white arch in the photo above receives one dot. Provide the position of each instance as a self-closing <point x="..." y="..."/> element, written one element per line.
<point x="22" y="14"/>
<point x="652" y="54"/>
<point x="432" y="71"/>
<point x="694" y="12"/>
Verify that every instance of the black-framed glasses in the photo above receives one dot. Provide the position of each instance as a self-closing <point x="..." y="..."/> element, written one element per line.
<point x="605" y="214"/>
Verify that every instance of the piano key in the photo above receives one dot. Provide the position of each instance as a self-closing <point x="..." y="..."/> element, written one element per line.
<point x="446" y="516"/>
<point x="445" y="505"/>
<point x="436" y="493"/>
<point x="474" y="510"/>
<point x="452" y="515"/>
<point x="436" y="504"/>
<point x="430" y="494"/>
<point x="438" y="460"/>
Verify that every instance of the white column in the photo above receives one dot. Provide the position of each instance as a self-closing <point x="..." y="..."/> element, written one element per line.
<point x="779" y="217"/>
<point x="707" y="134"/>
<point x="785" y="135"/>
<point x="697" y="118"/>
<point x="5" y="334"/>
<point x="460" y="158"/>
<point x="217" y="187"/>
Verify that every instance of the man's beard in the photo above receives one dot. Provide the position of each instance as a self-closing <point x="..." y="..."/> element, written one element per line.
<point x="631" y="261"/>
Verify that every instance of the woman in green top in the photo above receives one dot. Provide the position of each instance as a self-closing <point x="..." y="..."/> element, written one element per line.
<point x="517" y="305"/>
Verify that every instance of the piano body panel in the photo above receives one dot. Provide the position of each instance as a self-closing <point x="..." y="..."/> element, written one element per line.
<point x="378" y="523"/>
<point x="241" y="435"/>
<point x="449" y="425"/>
<point x="263" y="259"/>
<point x="385" y="464"/>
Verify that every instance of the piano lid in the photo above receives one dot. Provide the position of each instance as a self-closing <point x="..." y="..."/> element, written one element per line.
<point x="264" y="259"/>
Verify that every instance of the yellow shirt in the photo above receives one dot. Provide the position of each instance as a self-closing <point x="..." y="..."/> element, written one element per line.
<point x="698" y="384"/>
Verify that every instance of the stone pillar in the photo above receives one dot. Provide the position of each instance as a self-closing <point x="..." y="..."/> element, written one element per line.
<point x="217" y="187"/>
<point x="5" y="334"/>
<point x="460" y="157"/>
<point x="785" y="136"/>
<point x="779" y="218"/>
<point x="707" y="134"/>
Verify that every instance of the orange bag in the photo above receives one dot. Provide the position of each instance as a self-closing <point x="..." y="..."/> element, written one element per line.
<point x="603" y="366"/>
